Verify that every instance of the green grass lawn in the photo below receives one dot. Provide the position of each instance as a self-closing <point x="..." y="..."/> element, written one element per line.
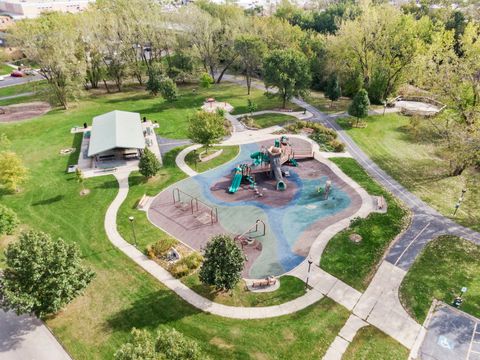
<point x="417" y="166"/>
<point x="355" y="263"/>
<point x="5" y="69"/>
<point x="145" y="231"/>
<point x="122" y="295"/>
<point x="318" y="99"/>
<point x="267" y="120"/>
<point x="442" y="269"/>
<point x="228" y="153"/>
<point x="290" y="288"/>
<point x="371" y="344"/>
<point x="22" y="88"/>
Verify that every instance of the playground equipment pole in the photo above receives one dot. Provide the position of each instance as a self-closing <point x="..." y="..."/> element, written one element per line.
<point x="308" y="273"/>
<point x="131" y="218"/>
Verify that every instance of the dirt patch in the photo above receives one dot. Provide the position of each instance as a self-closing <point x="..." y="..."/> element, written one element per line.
<point x="222" y="344"/>
<point x="19" y="112"/>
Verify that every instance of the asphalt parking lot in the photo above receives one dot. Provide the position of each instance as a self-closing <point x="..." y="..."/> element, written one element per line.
<point x="451" y="335"/>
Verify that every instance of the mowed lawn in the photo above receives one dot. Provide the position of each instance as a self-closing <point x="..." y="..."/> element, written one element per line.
<point x="122" y="295"/>
<point x="445" y="266"/>
<point x="418" y="166"/>
<point x="322" y="103"/>
<point x="267" y="120"/>
<point x="371" y="344"/>
<point x="228" y="153"/>
<point x="356" y="263"/>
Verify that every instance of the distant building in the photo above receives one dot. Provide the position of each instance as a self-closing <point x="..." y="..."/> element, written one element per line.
<point x="32" y="8"/>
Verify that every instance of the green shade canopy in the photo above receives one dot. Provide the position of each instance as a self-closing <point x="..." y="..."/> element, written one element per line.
<point x="116" y="129"/>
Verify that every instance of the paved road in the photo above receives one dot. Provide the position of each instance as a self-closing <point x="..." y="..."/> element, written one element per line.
<point x="11" y="81"/>
<point x="27" y="338"/>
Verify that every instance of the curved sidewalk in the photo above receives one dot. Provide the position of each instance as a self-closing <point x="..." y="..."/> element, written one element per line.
<point x="182" y="290"/>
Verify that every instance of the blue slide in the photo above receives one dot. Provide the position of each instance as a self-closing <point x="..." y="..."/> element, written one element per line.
<point x="237" y="180"/>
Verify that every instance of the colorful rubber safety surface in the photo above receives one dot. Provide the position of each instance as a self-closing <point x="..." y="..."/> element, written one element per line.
<point x="275" y="228"/>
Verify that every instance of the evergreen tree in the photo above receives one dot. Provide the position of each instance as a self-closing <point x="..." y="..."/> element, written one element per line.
<point x="333" y="91"/>
<point x="153" y="84"/>
<point x="168" y="89"/>
<point x="360" y="105"/>
<point x="149" y="165"/>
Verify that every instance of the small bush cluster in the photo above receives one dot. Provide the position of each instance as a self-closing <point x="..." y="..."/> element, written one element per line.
<point x="325" y="137"/>
<point x="160" y="248"/>
<point x="250" y="122"/>
<point x="8" y="220"/>
<point x="186" y="265"/>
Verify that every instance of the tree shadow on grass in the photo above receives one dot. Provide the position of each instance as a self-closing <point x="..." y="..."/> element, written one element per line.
<point x="150" y="311"/>
<point x="49" y="201"/>
<point x="76" y="144"/>
<point x="110" y="184"/>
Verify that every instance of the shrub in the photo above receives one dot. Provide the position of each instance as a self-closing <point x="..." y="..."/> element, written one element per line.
<point x="186" y="265"/>
<point x="337" y="145"/>
<point x="8" y="220"/>
<point x="206" y="80"/>
<point x="179" y="269"/>
<point x="168" y="89"/>
<point x="161" y="247"/>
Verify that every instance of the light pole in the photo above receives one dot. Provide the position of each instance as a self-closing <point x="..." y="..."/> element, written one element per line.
<point x="308" y="273"/>
<point x="459" y="202"/>
<point x="131" y="218"/>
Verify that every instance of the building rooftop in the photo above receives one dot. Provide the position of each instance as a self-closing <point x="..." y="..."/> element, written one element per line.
<point x="116" y="129"/>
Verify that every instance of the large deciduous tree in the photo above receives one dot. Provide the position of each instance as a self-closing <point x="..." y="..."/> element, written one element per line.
<point x="251" y="50"/>
<point x="455" y="80"/>
<point x="379" y="46"/>
<point x="12" y="171"/>
<point x="42" y="275"/>
<point x="52" y="41"/>
<point x="289" y="71"/>
<point x="206" y="128"/>
<point x="223" y="263"/>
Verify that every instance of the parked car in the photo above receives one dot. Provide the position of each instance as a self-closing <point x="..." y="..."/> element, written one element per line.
<point x="29" y="72"/>
<point x="17" y="73"/>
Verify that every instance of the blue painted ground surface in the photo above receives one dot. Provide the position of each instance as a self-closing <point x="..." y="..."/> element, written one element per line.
<point x="285" y="224"/>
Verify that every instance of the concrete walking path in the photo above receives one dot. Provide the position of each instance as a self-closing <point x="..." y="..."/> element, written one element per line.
<point x="26" y="337"/>
<point x="182" y="290"/>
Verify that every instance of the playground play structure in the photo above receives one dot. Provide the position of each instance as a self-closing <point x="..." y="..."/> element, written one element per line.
<point x="204" y="212"/>
<point x="270" y="161"/>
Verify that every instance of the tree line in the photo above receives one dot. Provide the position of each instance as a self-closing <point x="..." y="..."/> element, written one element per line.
<point x="341" y="49"/>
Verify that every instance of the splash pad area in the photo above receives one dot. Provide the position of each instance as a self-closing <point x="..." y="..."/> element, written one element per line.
<point x="274" y="227"/>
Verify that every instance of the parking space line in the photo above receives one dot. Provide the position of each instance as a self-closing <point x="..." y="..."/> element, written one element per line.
<point x="411" y="242"/>
<point x="471" y="343"/>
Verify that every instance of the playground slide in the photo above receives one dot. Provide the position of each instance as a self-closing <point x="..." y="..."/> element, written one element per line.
<point x="277" y="172"/>
<point x="237" y="180"/>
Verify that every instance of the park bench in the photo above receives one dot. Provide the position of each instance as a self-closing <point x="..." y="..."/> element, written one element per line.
<point x="143" y="202"/>
<point x="265" y="282"/>
<point x="380" y="202"/>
